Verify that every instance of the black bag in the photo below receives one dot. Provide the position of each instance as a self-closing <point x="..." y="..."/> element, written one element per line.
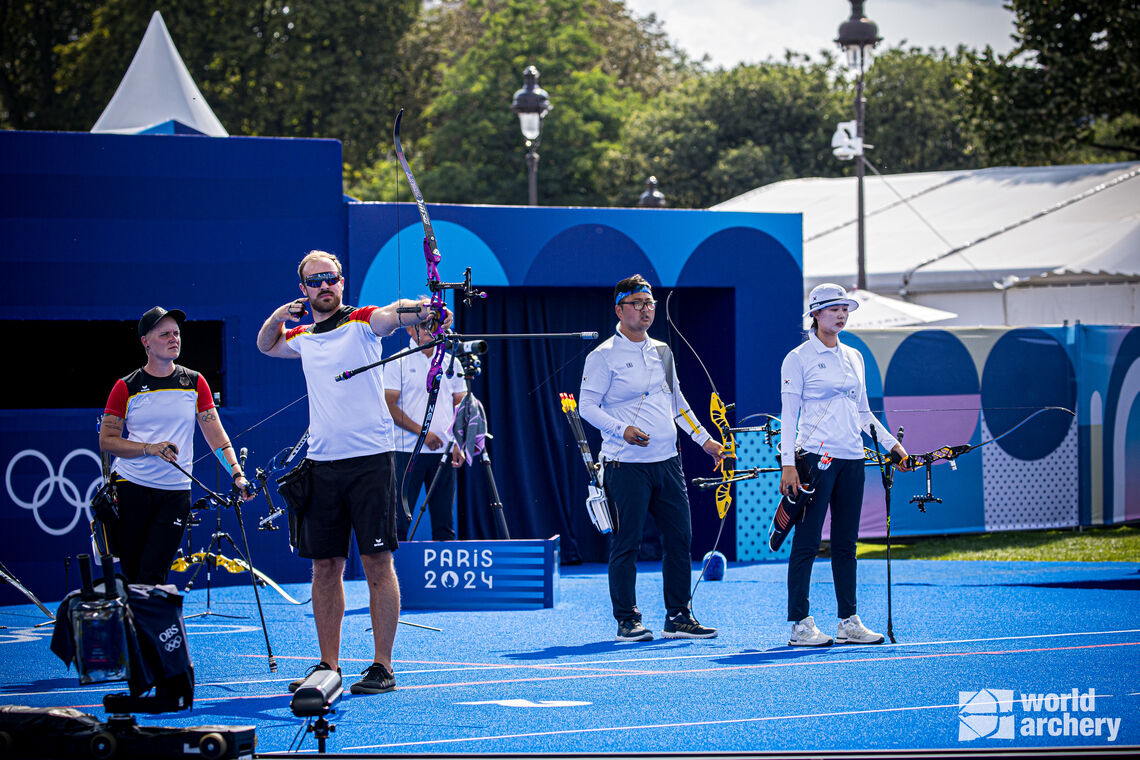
<point x="156" y="646"/>
<point x="296" y="489"/>
<point x="105" y="522"/>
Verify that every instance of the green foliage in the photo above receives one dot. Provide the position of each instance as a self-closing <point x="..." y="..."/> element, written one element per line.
<point x="31" y="33"/>
<point x="911" y="118"/>
<point x="627" y="103"/>
<point x="310" y="68"/>
<point x="720" y="134"/>
<point x="1118" y="544"/>
<point x="1067" y="93"/>
<point x="595" y="60"/>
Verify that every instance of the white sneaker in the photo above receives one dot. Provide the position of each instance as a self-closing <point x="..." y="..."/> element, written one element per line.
<point x="852" y="631"/>
<point x="805" y="634"/>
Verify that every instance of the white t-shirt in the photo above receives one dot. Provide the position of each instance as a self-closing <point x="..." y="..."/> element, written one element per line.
<point x="409" y="377"/>
<point x="348" y="418"/>
<point x="160" y="409"/>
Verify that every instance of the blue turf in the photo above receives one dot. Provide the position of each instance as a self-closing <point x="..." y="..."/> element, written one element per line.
<point x="1030" y="628"/>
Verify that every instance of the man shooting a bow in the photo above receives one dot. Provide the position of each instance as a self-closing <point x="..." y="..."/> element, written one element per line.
<point x="352" y="472"/>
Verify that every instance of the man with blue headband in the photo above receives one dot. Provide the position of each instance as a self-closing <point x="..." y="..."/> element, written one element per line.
<point x="630" y="393"/>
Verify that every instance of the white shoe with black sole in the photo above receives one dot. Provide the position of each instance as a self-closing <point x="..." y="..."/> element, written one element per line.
<point x="852" y="631"/>
<point x="806" y="634"/>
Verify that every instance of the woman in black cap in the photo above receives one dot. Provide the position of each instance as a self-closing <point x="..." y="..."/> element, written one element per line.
<point x="158" y="405"/>
<point x="824" y="398"/>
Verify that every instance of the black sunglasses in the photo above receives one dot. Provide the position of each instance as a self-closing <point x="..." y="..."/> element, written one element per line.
<point x="315" y="280"/>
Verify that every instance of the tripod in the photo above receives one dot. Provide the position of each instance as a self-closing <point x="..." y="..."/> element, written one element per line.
<point x="467" y="354"/>
<point x="496" y="503"/>
<point x="233" y="500"/>
<point x="209" y="560"/>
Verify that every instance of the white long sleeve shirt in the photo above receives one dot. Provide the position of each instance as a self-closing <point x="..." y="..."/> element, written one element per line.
<point x="624" y="383"/>
<point x="824" y="401"/>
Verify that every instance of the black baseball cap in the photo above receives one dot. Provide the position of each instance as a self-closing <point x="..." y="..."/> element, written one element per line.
<point x="152" y="317"/>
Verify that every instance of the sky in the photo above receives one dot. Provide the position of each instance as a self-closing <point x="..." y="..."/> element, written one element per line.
<point x="753" y="31"/>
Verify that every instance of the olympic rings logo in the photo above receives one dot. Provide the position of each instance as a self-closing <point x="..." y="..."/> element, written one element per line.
<point x="67" y="488"/>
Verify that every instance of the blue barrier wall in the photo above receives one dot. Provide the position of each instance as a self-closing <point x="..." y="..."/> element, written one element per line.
<point x="106" y="226"/>
<point x="103" y="227"/>
<point x="956" y="386"/>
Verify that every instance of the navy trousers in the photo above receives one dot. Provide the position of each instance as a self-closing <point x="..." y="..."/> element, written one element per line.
<point x="841" y="486"/>
<point x="637" y="489"/>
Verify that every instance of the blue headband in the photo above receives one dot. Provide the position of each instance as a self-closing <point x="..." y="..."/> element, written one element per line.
<point x="638" y="289"/>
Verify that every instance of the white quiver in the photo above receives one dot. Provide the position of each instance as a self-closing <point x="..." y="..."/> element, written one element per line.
<point x="597" y="506"/>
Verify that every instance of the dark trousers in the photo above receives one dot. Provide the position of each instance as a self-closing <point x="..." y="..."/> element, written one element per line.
<point x="442" y="498"/>
<point x="841" y="486"/>
<point x="149" y="530"/>
<point x="636" y="489"/>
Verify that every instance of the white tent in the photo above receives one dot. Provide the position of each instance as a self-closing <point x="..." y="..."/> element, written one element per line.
<point x="880" y="311"/>
<point x="1000" y="246"/>
<point x="156" y="90"/>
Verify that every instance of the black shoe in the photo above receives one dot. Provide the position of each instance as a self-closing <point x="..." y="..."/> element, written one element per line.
<point x="683" y="625"/>
<point x="376" y="680"/>
<point x="322" y="665"/>
<point x="633" y="630"/>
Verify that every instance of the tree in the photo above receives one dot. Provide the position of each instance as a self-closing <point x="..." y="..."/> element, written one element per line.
<point x="303" y="68"/>
<point x="1067" y="92"/>
<point x="30" y="36"/>
<point x="912" y="118"/>
<point x="729" y="131"/>
<point x="595" y="59"/>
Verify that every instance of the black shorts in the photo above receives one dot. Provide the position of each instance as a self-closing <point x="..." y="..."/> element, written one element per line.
<point x="350" y="495"/>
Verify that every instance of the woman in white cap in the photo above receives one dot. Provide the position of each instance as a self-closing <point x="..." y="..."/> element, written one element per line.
<point x="158" y="405"/>
<point x="824" y="398"/>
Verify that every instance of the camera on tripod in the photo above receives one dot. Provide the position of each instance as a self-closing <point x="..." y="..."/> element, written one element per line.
<point x="315" y="698"/>
<point x="466" y="347"/>
<point x="468" y="352"/>
<point x="117" y="632"/>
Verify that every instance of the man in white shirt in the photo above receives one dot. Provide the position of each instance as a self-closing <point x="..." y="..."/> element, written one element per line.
<point x="631" y="394"/>
<point x="405" y="390"/>
<point x="353" y="480"/>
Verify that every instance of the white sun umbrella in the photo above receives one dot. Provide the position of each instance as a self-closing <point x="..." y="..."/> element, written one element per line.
<point x="880" y="311"/>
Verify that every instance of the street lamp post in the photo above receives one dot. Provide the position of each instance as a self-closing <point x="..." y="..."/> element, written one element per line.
<point x="858" y="37"/>
<point x="531" y="104"/>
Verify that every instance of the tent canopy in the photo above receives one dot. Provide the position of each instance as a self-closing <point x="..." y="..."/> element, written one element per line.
<point x="157" y="94"/>
<point x="1074" y="223"/>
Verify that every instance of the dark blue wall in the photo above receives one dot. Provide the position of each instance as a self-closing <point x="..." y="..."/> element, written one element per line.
<point x="106" y="226"/>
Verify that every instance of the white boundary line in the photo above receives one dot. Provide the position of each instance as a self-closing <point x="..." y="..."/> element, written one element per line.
<point x="660" y="726"/>
<point x="652" y="726"/>
<point x="577" y="664"/>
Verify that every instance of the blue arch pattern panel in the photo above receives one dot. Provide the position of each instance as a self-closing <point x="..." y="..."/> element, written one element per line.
<point x="1121" y="441"/>
<point x="398" y="269"/>
<point x="757" y="255"/>
<point x="766" y="317"/>
<point x="1031" y="474"/>
<point x="1027" y="370"/>
<point x="607" y="253"/>
<point x="931" y="390"/>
